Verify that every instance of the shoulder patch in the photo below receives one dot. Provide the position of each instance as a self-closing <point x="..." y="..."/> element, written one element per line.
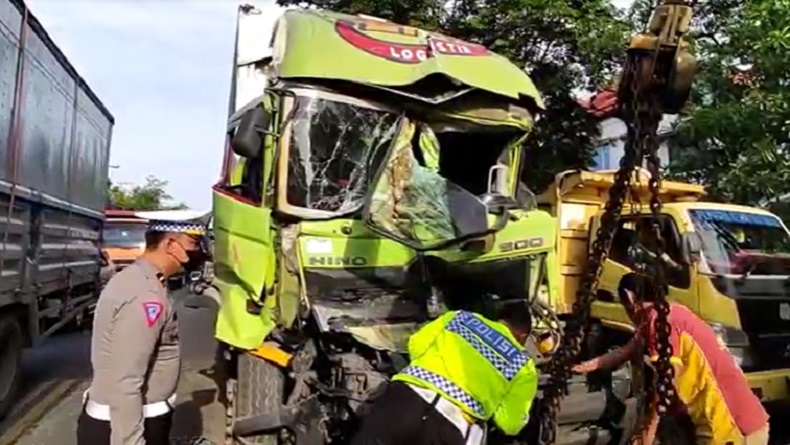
<point x="153" y="310"/>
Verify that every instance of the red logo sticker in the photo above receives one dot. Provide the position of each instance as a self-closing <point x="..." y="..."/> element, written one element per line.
<point x="403" y="52"/>
<point x="153" y="310"/>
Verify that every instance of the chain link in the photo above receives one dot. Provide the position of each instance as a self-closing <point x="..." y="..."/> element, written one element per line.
<point x="642" y="112"/>
<point x="570" y="347"/>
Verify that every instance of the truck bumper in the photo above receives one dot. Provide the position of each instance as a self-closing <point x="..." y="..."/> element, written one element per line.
<point x="770" y="386"/>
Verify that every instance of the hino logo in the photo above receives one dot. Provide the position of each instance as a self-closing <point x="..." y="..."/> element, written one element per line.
<point x="337" y="261"/>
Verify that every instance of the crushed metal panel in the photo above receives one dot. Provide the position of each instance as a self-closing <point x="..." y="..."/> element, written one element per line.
<point x="393" y="338"/>
<point x="376" y="51"/>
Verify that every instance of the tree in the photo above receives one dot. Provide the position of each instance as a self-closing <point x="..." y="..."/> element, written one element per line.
<point x="565" y="46"/>
<point x="736" y="138"/>
<point x="150" y="196"/>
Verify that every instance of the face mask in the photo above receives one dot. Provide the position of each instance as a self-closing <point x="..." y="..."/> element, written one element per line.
<point x="195" y="258"/>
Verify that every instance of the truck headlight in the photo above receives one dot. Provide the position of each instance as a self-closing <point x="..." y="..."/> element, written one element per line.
<point x="736" y="342"/>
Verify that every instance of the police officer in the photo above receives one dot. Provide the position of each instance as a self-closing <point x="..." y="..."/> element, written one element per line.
<point x="464" y="371"/>
<point x="135" y="345"/>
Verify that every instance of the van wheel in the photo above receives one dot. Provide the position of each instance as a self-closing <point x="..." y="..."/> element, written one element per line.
<point x="11" y="345"/>
<point x="259" y="390"/>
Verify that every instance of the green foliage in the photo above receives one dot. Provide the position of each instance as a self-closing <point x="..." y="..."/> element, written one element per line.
<point x="150" y="196"/>
<point x="736" y="139"/>
<point x="565" y="45"/>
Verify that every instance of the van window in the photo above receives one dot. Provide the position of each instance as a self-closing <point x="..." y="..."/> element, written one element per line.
<point x="634" y="245"/>
<point x="123" y="235"/>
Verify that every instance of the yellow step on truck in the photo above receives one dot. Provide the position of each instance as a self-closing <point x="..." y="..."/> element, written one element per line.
<point x="730" y="264"/>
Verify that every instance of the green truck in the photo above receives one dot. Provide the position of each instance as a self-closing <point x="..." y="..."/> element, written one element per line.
<point x="371" y="172"/>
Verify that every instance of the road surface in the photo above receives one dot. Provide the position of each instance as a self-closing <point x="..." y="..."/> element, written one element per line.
<point x="57" y="373"/>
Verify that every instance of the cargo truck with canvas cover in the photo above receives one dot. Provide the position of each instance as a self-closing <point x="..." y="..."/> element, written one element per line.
<point x="54" y="160"/>
<point x="370" y="183"/>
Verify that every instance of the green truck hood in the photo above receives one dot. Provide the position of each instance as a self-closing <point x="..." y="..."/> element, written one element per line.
<point x="326" y="45"/>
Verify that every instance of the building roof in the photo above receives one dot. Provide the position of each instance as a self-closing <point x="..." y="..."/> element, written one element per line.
<point x="602" y="104"/>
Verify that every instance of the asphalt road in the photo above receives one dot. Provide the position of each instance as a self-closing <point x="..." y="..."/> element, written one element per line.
<point x="57" y="373"/>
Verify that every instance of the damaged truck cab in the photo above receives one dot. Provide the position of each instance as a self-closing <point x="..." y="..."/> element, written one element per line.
<point x="370" y="183"/>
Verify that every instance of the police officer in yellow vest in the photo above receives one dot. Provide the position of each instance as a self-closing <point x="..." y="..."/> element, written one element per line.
<point x="465" y="370"/>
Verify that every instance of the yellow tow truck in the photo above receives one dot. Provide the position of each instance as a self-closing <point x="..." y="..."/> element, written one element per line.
<point x="730" y="264"/>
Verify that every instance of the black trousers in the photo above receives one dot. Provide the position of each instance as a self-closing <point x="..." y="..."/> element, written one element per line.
<point x="97" y="432"/>
<point x="401" y="416"/>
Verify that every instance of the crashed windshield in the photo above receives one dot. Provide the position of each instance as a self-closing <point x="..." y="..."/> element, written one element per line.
<point x="127" y="235"/>
<point x="335" y="149"/>
<point x="742" y="243"/>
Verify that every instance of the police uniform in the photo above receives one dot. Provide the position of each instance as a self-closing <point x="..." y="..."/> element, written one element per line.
<point x="465" y="370"/>
<point x="135" y="356"/>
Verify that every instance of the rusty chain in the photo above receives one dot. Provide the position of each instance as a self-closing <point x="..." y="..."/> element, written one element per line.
<point x="646" y="78"/>
<point x="570" y="347"/>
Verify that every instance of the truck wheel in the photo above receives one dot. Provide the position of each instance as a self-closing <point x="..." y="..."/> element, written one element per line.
<point x="259" y="390"/>
<point x="11" y="345"/>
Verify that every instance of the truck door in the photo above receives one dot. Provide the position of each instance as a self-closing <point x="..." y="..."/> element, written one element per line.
<point x="243" y="255"/>
<point x="634" y="243"/>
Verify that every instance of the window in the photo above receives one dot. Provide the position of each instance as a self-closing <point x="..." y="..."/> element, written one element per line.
<point x="737" y="242"/>
<point x="634" y="245"/>
<point x="247" y="180"/>
<point x="124" y="235"/>
<point x="602" y="156"/>
<point x="335" y="150"/>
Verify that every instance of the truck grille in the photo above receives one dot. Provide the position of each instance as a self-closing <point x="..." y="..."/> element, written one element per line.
<point x="768" y="328"/>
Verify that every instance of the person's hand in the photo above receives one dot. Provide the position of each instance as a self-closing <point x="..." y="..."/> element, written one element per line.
<point x="585" y="367"/>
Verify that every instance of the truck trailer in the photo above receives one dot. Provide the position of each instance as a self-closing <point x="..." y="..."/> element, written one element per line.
<point x="54" y="158"/>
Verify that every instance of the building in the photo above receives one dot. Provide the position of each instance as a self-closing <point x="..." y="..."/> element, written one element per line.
<point x="613" y="131"/>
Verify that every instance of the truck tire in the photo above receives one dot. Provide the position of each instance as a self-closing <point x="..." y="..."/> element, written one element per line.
<point x="259" y="389"/>
<point x="11" y="345"/>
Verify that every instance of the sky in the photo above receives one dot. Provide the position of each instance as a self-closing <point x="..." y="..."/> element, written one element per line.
<point x="162" y="68"/>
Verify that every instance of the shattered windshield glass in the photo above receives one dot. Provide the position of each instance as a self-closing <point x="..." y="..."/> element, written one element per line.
<point x="742" y="243"/>
<point x="414" y="204"/>
<point x="334" y="151"/>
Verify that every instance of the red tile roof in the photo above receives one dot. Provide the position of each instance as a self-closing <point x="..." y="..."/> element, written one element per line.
<point x="602" y="104"/>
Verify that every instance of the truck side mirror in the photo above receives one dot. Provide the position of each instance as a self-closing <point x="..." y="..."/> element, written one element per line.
<point x="247" y="141"/>
<point x="497" y="180"/>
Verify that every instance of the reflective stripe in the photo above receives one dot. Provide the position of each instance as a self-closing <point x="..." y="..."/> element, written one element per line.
<point x="499" y="350"/>
<point x="466" y="424"/>
<point x="447" y="387"/>
<point x="102" y="412"/>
